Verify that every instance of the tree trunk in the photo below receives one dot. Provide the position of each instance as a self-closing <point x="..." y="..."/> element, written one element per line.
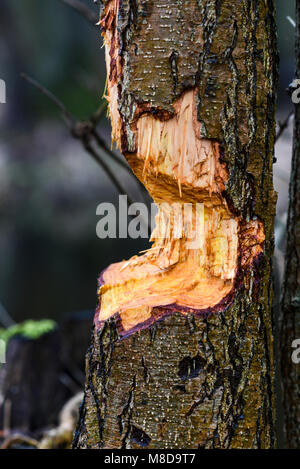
<point x="182" y="348"/>
<point x="31" y="392"/>
<point x="290" y="327"/>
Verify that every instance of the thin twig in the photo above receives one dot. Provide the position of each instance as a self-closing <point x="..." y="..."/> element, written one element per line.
<point x="83" y="131"/>
<point x="70" y="121"/>
<point x="114" y="157"/>
<point x="107" y="150"/>
<point x="95" y="118"/>
<point x="83" y="10"/>
<point x="283" y="125"/>
<point x="101" y="142"/>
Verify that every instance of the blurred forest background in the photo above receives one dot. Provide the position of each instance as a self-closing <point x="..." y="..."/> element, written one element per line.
<point x="49" y="185"/>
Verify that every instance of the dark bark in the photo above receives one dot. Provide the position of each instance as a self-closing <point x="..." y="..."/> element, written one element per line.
<point x="32" y="394"/>
<point x="290" y="328"/>
<point x="75" y="332"/>
<point x="200" y="380"/>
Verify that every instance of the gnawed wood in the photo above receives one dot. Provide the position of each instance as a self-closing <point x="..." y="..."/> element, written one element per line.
<point x="197" y="241"/>
<point x="182" y="350"/>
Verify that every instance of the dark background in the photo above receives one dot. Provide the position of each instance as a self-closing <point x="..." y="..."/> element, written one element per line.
<point x="50" y="256"/>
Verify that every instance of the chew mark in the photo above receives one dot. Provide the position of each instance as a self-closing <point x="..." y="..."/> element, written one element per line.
<point x="174" y="148"/>
<point x="195" y="269"/>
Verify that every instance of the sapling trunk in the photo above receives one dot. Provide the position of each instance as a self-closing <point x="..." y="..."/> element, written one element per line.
<point x="290" y="327"/>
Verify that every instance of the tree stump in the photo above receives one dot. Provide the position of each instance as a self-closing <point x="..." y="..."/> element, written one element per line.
<point x="182" y="351"/>
<point x="32" y="394"/>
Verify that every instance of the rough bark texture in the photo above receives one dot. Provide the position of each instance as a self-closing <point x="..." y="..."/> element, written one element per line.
<point x="290" y="329"/>
<point x="195" y="380"/>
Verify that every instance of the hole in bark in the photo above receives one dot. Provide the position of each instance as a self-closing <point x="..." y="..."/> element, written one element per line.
<point x="190" y="367"/>
<point x="180" y="388"/>
<point x="138" y="436"/>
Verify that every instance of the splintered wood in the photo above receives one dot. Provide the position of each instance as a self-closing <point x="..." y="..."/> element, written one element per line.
<point x="194" y="258"/>
<point x="193" y="263"/>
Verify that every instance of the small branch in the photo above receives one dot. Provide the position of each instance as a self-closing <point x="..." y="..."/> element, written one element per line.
<point x="83" y="10"/>
<point x="283" y="125"/>
<point x="65" y="113"/>
<point x="107" y="150"/>
<point x="95" y="118"/>
<point x="84" y="131"/>
<point x="114" y="157"/>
